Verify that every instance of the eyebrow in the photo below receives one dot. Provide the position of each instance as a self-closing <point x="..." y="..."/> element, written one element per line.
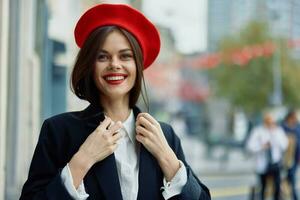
<point x="124" y="50"/>
<point x="121" y="51"/>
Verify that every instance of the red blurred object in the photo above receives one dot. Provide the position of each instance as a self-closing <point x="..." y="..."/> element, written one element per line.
<point x="207" y="61"/>
<point x="189" y="91"/>
<point x="241" y="56"/>
<point x="268" y="49"/>
<point x="295" y="43"/>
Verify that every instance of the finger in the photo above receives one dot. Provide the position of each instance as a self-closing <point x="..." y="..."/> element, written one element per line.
<point x="116" y="137"/>
<point x="111" y="124"/>
<point x="144" y="132"/>
<point x="149" y="118"/>
<point x="142" y="139"/>
<point x="115" y="127"/>
<point x="104" y="124"/>
<point x="142" y="121"/>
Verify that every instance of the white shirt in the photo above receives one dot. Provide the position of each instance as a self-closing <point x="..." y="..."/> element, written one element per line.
<point x="127" y="163"/>
<point x="127" y="159"/>
<point x="259" y="137"/>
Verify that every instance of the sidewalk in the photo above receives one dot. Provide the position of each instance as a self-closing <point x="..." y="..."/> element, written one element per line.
<point x="221" y="160"/>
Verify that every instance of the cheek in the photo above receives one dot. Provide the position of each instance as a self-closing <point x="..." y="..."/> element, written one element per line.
<point x="97" y="76"/>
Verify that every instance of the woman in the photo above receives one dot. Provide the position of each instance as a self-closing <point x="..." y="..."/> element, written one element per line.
<point x="292" y="129"/>
<point x="111" y="150"/>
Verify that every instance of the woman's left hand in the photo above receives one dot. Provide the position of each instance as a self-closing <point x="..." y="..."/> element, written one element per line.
<point x="150" y="134"/>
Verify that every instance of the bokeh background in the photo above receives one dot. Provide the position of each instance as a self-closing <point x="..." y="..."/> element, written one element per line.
<point x="221" y="64"/>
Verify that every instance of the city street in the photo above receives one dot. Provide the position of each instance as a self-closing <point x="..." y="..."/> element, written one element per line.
<point x="230" y="187"/>
<point x="228" y="179"/>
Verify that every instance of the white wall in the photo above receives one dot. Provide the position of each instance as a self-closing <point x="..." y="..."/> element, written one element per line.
<point x="23" y="100"/>
<point x="3" y="88"/>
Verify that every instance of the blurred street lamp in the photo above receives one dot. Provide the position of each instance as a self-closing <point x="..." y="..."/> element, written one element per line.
<point x="276" y="98"/>
<point x="277" y="79"/>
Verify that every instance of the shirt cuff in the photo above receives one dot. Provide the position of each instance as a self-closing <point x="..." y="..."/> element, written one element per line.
<point x="67" y="179"/>
<point x="175" y="186"/>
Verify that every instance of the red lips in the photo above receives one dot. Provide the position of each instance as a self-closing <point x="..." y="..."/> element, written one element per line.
<point x="114" y="78"/>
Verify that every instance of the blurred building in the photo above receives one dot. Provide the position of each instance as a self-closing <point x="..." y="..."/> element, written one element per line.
<point x="294" y="21"/>
<point x="219" y="17"/>
<point x="23" y="91"/>
<point x="227" y="17"/>
<point x="33" y="86"/>
<point x="22" y="95"/>
<point x="4" y="12"/>
<point x="283" y="17"/>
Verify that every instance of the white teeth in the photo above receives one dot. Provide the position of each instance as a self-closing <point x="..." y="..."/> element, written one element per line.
<point x="114" y="78"/>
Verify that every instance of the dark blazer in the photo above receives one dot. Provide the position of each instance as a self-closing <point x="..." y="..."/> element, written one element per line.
<point x="60" y="138"/>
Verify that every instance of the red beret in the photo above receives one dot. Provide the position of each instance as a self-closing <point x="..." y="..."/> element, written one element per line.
<point x="125" y="17"/>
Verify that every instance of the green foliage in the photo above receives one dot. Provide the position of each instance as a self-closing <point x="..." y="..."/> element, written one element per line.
<point x="250" y="86"/>
<point x="290" y="77"/>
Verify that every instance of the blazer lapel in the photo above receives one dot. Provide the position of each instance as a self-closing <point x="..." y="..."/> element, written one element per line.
<point x="149" y="183"/>
<point x="107" y="176"/>
<point x="92" y="116"/>
<point x="105" y="170"/>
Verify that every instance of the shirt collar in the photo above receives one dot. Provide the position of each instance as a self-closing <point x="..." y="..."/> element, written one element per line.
<point x="129" y="126"/>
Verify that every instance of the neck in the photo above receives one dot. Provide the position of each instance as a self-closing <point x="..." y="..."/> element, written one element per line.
<point x="117" y="110"/>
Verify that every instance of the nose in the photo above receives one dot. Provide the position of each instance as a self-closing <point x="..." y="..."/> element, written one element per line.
<point x="115" y="63"/>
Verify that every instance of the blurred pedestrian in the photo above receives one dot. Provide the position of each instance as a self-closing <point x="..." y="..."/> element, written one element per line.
<point x="111" y="150"/>
<point x="268" y="142"/>
<point x="292" y="129"/>
<point x="178" y="122"/>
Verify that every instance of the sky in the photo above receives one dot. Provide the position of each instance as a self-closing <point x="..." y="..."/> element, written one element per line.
<point x="186" y="18"/>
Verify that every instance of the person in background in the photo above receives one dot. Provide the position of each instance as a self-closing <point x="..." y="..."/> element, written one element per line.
<point x="291" y="127"/>
<point x="268" y="142"/>
<point x="111" y="149"/>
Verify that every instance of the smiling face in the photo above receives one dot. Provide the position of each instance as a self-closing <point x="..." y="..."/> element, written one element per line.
<point x="115" y="67"/>
<point x="86" y="80"/>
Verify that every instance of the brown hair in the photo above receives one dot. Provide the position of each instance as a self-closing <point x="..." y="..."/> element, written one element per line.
<point x="82" y="82"/>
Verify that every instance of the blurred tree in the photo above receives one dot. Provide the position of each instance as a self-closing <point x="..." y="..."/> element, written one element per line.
<point x="245" y="79"/>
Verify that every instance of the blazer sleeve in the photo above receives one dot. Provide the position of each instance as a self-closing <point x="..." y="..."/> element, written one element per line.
<point x="193" y="189"/>
<point x="44" y="181"/>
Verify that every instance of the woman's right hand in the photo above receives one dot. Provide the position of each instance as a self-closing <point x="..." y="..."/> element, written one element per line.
<point x="101" y="143"/>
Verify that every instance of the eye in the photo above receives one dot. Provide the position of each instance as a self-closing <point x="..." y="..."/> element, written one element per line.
<point x="102" y="57"/>
<point x="126" y="56"/>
